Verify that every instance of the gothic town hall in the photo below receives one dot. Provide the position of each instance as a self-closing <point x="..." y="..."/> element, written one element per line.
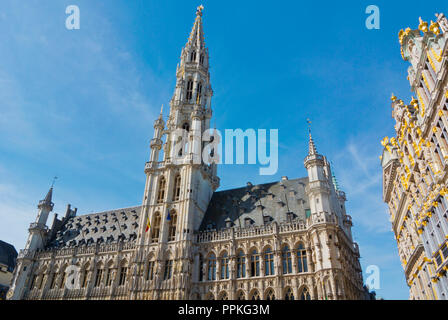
<point x="289" y="239"/>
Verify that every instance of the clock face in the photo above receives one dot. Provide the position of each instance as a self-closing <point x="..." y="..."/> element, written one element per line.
<point x="9" y="294"/>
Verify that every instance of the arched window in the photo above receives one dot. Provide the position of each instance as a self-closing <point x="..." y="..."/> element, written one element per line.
<point x="254" y="263"/>
<point x="268" y="262"/>
<point x="176" y="193"/>
<point x="223" y="296"/>
<point x="168" y="270"/>
<point x="199" y="93"/>
<point x="225" y="266"/>
<point x="99" y="275"/>
<point x="270" y="295"/>
<point x="302" y="265"/>
<point x="240" y="295"/>
<point x="186" y="126"/>
<point x="193" y="56"/>
<point x="189" y="90"/>
<point x="201" y="59"/>
<point x="161" y="193"/>
<point x="211" y="267"/>
<point x="150" y="270"/>
<point x="123" y="274"/>
<point x="156" y="227"/>
<point x="255" y="295"/>
<point x="286" y="260"/>
<point x="305" y="294"/>
<point x="172" y="226"/>
<point x="289" y="294"/>
<point x="241" y="265"/>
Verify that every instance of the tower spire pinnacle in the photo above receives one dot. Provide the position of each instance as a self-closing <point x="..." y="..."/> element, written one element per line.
<point x="311" y="146"/>
<point x="197" y="32"/>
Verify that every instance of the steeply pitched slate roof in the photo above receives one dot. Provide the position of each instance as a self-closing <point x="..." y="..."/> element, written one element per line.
<point x="101" y="227"/>
<point x="8" y="255"/>
<point x="250" y="205"/>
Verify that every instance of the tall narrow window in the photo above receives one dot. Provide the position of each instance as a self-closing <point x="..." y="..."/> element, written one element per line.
<point x="189" y="90"/>
<point x="286" y="260"/>
<point x="241" y="265"/>
<point x="168" y="270"/>
<point x="201" y="59"/>
<point x="42" y="281"/>
<point x="64" y="277"/>
<point x="225" y="266"/>
<point x="193" y="56"/>
<point x="161" y="193"/>
<point x="156" y="227"/>
<point x="254" y="263"/>
<point x="176" y="193"/>
<point x="123" y="273"/>
<point x="99" y="277"/>
<point x="268" y="262"/>
<point x="199" y="93"/>
<point x="85" y="277"/>
<point x="172" y="226"/>
<point x="150" y="271"/>
<point x="53" y="281"/>
<point x="108" y="281"/>
<point x="211" y="267"/>
<point x="302" y="265"/>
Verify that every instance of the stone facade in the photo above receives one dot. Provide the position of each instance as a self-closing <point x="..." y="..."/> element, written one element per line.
<point x="414" y="162"/>
<point x="289" y="239"/>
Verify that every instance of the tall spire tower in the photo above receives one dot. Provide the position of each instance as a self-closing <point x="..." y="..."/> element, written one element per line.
<point x="179" y="185"/>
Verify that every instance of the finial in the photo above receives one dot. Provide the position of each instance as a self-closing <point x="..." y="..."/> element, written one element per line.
<point x="161" y="109"/>
<point x="311" y="147"/>
<point x="393" y="98"/>
<point x="434" y="28"/>
<point x="199" y="10"/>
<point x="333" y="176"/>
<point x="423" y="26"/>
<point x="54" y="180"/>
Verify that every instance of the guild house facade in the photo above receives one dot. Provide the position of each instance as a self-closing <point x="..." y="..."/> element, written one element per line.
<point x="415" y="170"/>
<point x="289" y="239"/>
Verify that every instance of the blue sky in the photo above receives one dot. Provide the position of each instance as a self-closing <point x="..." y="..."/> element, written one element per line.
<point x="81" y="104"/>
